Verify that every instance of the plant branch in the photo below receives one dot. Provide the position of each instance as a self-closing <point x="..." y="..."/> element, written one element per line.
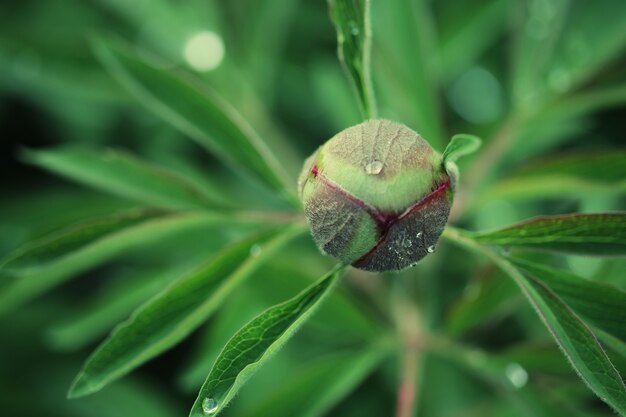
<point x="484" y="163"/>
<point x="409" y="324"/>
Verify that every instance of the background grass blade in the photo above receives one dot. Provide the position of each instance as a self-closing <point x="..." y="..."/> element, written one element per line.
<point x="23" y="285"/>
<point x="63" y="242"/>
<point x="332" y="378"/>
<point x="603" y="305"/>
<point x="175" y="313"/>
<point x="405" y="69"/>
<point x="195" y="110"/>
<point x="592" y="234"/>
<point x="473" y="26"/>
<point x="574" y="175"/>
<point x="124" y="175"/>
<point x="95" y="318"/>
<point x="254" y="343"/>
<point x="354" y="37"/>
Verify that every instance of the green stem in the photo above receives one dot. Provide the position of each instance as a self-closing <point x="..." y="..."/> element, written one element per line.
<point x="369" y="104"/>
<point x="410" y="328"/>
<point x="485" y="162"/>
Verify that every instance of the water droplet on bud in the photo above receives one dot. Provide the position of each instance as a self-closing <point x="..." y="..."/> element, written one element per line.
<point x="209" y="405"/>
<point x="431" y="249"/>
<point x="419" y="234"/>
<point x="374" y="167"/>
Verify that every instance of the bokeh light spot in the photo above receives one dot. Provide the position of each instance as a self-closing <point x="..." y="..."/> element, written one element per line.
<point x="204" y="51"/>
<point x="477" y="96"/>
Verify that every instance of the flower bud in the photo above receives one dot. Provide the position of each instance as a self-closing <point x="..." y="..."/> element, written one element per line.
<point x="376" y="196"/>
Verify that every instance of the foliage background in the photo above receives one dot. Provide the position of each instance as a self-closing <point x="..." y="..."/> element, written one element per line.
<point x="550" y="71"/>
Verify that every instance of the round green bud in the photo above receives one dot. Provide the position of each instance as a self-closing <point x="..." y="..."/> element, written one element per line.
<point x="376" y="196"/>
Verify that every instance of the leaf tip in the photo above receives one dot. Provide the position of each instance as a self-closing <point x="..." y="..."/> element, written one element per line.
<point x="81" y="387"/>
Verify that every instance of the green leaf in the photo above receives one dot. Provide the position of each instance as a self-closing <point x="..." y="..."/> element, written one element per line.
<point x="354" y="38"/>
<point x="65" y="241"/>
<point x="27" y="283"/>
<point x="331" y="378"/>
<point x="578" y="343"/>
<point x="460" y="145"/>
<point x="195" y="110"/>
<point x="591" y="234"/>
<point x="576" y="340"/>
<point x="173" y="314"/>
<point x="601" y="304"/>
<point x="341" y="318"/>
<point x="122" y="174"/>
<point x="254" y="343"/>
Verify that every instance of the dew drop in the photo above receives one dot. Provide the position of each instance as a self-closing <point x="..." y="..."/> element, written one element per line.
<point x="516" y="375"/>
<point x="431" y="249"/>
<point x="255" y="250"/>
<point x="419" y="234"/>
<point x="374" y="167"/>
<point x="209" y="405"/>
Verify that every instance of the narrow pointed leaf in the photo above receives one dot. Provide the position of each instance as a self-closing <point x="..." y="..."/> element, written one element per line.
<point x="195" y="110"/>
<point x="354" y="38"/>
<point x="578" y="343"/>
<point x="601" y="234"/>
<point x="24" y="284"/>
<point x="254" y="343"/>
<point x="461" y="145"/>
<point x="603" y="305"/>
<point x="573" y="336"/>
<point x="122" y="174"/>
<point x="173" y="314"/>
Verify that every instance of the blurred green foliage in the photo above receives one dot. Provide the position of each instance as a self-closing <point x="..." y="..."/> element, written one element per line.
<point x="542" y="81"/>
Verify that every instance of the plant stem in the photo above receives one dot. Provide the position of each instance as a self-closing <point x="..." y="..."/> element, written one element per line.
<point x="485" y="162"/>
<point x="409" y="324"/>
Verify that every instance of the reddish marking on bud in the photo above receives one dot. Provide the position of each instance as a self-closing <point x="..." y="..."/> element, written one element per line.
<point x="389" y="221"/>
<point x="379" y="218"/>
<point x="443" y="187"/>
<point x="314" y="170"/>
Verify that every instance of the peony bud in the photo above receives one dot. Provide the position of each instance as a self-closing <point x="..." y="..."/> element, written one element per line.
<point x="376" y="196"/>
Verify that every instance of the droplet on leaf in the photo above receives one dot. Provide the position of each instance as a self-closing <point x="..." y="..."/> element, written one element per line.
<point x="209" y="405"/>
